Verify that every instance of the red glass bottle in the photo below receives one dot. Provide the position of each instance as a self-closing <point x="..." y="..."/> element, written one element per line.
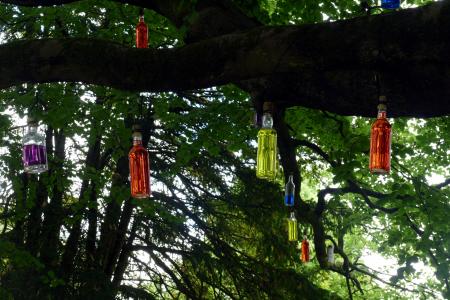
<point x="305" y="250"/>
<point x="141" y="34"/>
<point x="380" y="142"/>
<point x="139" y="168"/>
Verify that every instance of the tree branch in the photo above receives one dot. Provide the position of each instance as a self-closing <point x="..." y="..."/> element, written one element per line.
<point x="317" y="150"/>
<point x="321" y="205"/>
<point x="305" y="73"/>
<point x="135" y="293"/>
<point x="364" y="193"/>
<point x="443" y="184"/>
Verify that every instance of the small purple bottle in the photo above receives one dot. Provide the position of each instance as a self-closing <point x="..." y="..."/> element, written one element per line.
<point x="34" y="152"/>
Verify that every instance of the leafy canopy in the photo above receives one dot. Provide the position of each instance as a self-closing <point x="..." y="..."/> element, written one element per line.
<point x="211" y="229"/>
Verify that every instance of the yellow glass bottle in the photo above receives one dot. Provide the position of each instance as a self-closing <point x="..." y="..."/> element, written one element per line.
<point x="266" y="163"/>
<point x="292" y="228"/>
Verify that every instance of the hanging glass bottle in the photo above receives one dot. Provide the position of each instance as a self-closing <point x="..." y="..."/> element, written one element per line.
<point x="380" y="142"/>
<point x="292" y="227"/>
<point x="390" y="4"/>
<point x="34" y="152"/>
<point x="139" y="167"/>
<point x="330" y="254"/>
<point x="141" y="33"/>
<point x="289" y="192"/>
<point x="266" y="164"/>
<point x="305" y="250"/>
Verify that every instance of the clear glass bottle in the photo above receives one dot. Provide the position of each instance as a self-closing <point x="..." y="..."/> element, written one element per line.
<point x="289" y="192"/>
<point x="305" y="250"/>
<point x="330" y="254"/>
<point x="34" y="152"/>
<point x="292" y="228"/>
<point x="139" y="167"/>
<point x="141" y="34"/>
<point x="266" y="164"/>
<point x="380" y="142"/>
<point x="390" y="4"/>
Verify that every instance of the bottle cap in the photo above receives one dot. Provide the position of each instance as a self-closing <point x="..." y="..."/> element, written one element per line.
<point x="268" y="106"/>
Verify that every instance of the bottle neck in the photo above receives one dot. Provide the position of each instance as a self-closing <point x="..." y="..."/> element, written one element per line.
<point x="291" y="179"/>
<point x="292" y="216"/>
<point x="32" y="128"/>
<point x="141" y="19"/>
<point x="137" y="139"/>
<point x="267" y="121"/>
<point x="381" y="114"/>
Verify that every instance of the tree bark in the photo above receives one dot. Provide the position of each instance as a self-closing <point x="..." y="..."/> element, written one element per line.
<point x="92" y="211"/>
<point x="113" y="219"/>
<point x="53" y="215"/>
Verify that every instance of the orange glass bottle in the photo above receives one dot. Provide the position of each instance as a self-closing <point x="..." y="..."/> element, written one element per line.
<point x="139" y="168"/>
<point x="141" y="34"/>
<point x="380" y="142"/>
<point x="305" y="250"/>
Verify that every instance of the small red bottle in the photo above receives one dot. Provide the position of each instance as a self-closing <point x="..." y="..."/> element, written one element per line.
<point x="139" y="167"/>
<point x="380" y="142"/>
<point x="305" y="250"/>
<point x="141" y="34"/>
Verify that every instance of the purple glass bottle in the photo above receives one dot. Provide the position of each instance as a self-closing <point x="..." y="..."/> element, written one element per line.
<point x="34" y="152"/>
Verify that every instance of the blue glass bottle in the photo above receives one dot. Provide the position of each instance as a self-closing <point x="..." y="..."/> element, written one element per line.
<point x="390" y="4"/>
<point x="34" y="153"/>
<point x="289" y="192"/>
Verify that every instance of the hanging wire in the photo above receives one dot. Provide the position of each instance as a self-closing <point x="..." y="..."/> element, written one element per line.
<point x="33" y="107"/>
<point x="379" y="86"/>
<point x="377" y="83"/>
<point x="37" y="108"/>
<point x="141" y="107"/>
